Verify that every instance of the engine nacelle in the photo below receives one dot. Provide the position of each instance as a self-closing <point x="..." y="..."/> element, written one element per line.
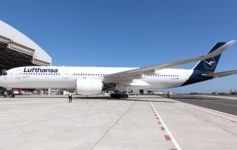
<point x="89" y="86"/>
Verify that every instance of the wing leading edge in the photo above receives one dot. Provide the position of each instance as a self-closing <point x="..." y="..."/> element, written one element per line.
<point x="129" y="75"/>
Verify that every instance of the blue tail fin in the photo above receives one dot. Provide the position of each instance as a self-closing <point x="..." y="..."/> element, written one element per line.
<point x="209" y="65"/>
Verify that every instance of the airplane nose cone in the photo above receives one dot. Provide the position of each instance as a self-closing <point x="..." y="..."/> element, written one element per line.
<point x="2" y="81"/>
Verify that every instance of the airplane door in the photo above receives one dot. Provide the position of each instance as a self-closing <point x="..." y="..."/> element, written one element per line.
<point x="65" y="74"/>
<point x="18" y="74"/>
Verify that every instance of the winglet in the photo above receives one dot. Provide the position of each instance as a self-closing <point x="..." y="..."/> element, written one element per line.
<point x="231" y="42"/>
<point x="221" y="49"/>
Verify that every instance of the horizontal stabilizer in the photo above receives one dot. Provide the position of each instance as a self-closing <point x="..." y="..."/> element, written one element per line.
<point x="220" y="74"/>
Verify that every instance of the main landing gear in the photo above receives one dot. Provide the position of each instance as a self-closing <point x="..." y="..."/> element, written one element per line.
<point x="116" y="95"/>
<point x="8" y="93"/>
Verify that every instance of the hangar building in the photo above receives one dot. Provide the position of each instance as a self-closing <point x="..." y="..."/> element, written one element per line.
<point x="16" y="49"/>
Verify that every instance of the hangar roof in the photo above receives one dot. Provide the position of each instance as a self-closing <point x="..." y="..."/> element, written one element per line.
<point x="16" y="41"/>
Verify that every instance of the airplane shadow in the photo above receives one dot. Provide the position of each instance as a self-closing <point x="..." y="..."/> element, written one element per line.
<point x="98" y="98"/>
<point x="138" y="99"/>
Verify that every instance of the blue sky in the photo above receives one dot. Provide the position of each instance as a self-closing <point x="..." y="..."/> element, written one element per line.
<point x="129" y="33"/>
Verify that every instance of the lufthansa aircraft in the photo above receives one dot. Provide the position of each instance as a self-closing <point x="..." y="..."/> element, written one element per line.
<point x="94" y="80"/>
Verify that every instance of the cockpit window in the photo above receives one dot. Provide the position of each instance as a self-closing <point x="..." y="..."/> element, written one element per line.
<point x="4" y="73"/>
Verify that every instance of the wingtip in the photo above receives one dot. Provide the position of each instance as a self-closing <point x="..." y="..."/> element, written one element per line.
<point x="231" y="42"/>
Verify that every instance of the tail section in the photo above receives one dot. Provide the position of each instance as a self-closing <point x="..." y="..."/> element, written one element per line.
<point x="209" y="65"/>
<point x="204" y="70"/>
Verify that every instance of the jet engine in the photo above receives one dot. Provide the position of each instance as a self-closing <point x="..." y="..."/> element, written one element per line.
<point x="89" y="86"/>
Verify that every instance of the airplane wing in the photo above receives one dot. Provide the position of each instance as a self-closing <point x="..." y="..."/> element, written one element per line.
<point x="221" y="74"/>
<point x="126" y="76"/>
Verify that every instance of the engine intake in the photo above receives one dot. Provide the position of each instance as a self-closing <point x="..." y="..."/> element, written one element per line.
<point x="89" y="86"/>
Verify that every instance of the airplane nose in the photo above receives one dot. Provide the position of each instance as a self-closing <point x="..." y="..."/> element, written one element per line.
<point x="2" y="79"/>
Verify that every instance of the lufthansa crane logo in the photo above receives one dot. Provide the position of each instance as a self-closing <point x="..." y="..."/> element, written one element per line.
<point x="210" y="63"/>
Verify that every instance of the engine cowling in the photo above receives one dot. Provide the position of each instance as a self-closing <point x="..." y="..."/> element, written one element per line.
<point x="89" y="86"/>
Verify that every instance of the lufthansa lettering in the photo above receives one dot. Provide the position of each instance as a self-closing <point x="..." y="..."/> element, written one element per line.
<point x="41" y="70"/>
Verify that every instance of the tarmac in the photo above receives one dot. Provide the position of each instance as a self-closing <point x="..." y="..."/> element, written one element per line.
<point x="98" y="123"/>
<point x="227" y="104"/>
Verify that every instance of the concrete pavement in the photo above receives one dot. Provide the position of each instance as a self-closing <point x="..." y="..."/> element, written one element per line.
<point x="44" y="123"/>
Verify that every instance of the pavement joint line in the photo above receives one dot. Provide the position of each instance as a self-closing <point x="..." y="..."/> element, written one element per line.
<point x="166" y="128"/>
<point x="113" y="124"/>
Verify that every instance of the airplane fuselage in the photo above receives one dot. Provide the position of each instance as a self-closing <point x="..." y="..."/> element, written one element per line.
<point x="65" y="77"/>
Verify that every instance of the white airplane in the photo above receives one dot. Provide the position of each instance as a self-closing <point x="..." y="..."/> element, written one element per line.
<point x="94" y="80"/>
